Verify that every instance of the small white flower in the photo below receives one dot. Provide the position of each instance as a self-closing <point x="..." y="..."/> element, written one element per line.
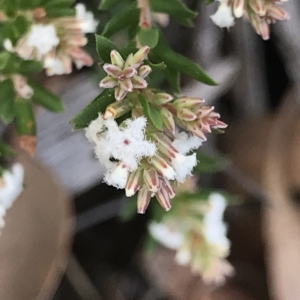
<point x="163" y="234"/>
<point x="184" y="142"/>
<point x="54" y="66"/>
<point x="117" y="176"/>
<point x="87" y="21"/>
<point x="183" y="165"/>
<point x="223" y="16"/>
<point x="43" y="38"/>
<point x="126" y="144"/>
<point x="21" y="86"/>
<point x="214" y="227"/>
<point x="12" y="186"/>
<point x="183" y="257"/>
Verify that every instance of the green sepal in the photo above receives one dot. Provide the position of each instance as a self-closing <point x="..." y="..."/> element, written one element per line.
<point x="45" y="98"/>
<point x="151" y="113"/>
<point x="25" y="119"/>
<point x="7" y="109"/>
<point x="91" y="112"/>
<point x="148" y="36"/>
<point x="104" y="47"/>
<point x="122" y="20"/>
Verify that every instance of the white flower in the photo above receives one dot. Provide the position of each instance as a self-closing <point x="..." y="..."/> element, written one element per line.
<point x="11" y="186"/>
<point x="126" y="144"/>
<point x="223" y="16"/>
<point x="183" y="257"/>
<point x="87" y="21"/>
<point x="183" y="165"/>
<point x="42" y="38"/>
<point x="214" y="227"/>
<point x="117" y="176"/>
<point x="163" y="234"/>
<point x="184" y="142"/>
<point x="54" y="66"/>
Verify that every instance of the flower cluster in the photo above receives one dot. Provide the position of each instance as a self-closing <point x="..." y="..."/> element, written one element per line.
<point x="127" y="75"/>
<point x="11" y="186"/>
<point x="197" y="232"/>
<point x="140" y="155"/>
<point x="260" y="13"/>
<point x="56" y="42"/>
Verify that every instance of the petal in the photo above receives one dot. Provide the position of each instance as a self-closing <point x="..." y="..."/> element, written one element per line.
<point x="108" y="82"/>
<point x="139" y="57"/>
<point x="144" y="71"/>
<point x="116" y="59"/>
<point x="138" y="82"/>
<point x="120" y="93"/>
<point x="129" y="72"/>
<point x="143" y="199"/>
<point x="126" y="85"/>
<point x="129" y="61"/>
<point x="112" y="70"/>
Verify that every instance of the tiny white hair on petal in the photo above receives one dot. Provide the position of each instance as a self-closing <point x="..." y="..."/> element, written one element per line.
<point x="165" y="236"/>
<point x="184" y="142"/>
<point x="223" y="17"/>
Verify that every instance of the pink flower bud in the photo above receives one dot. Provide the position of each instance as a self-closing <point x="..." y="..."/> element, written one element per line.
<point x="143" y="199"/>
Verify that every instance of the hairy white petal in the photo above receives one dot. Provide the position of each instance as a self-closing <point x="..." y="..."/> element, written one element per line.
<point x="163" y="234"/>
<point x="184" y="142"/>
<point x="87" y="21"/>
<point x="43" y="38"/>
<point x="223" y="16"/>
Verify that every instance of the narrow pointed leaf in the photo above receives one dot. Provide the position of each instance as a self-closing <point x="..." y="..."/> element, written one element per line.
<point x="7" y="110"/>
<point x="151" y="113"/>
<point x="104" y="47"/>
<point x="43" y="97"/>
<point x="148" y="36"/>
<point x="122" y="20"/>
<point x="90" y="113"/>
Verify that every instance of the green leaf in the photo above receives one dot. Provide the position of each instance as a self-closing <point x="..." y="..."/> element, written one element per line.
<point x="7" y="110"/>
<point x="62" y="12"/>
<point x="175" y="8"/>
<point x="5" y="150"/>
<point x="148" y="36"/>
<point x="90" y="113"/>
<point x="25" y="119"/>
<point x="58" y="4"/>
<point x="151" y="113"/>
<point x="129" y="210"/>
<point x="155" y="66"/>
<point x="107" y="4"/>
<point x="104" y="47"/>
<point x="4" y="57"/>
<point x="29" y="67"/>
<point x="210" y="163"/>
<point x="45" y="98"/>
<point x="181" y="63"/>
<point x="122" y="20"/>
<point x="173" y="78"/>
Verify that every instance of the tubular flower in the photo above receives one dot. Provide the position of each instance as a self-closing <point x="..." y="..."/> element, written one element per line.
<point x="125" y="76"/>
<point x="196" y="231"/>
<point x="195" y="118"/>
<point x="57" y="42"/>
<point x="260" y="13"/>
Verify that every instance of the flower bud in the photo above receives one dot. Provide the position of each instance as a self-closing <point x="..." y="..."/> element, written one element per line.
<point x="143" y="199"/>
<point x="163" y="197"/>
<point x="162" y="98"/>
<point x="186" y="115"/>
<point x="151" y="180"/>
<point x="162" y="166"/>
<point x="144" y="71"/>
<point x="140" y="56"/>
<point x="168" y="119"/>
<point x="134" y="182"/>
<point x="116" y="59"/>
<point x="238" y="8"/>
